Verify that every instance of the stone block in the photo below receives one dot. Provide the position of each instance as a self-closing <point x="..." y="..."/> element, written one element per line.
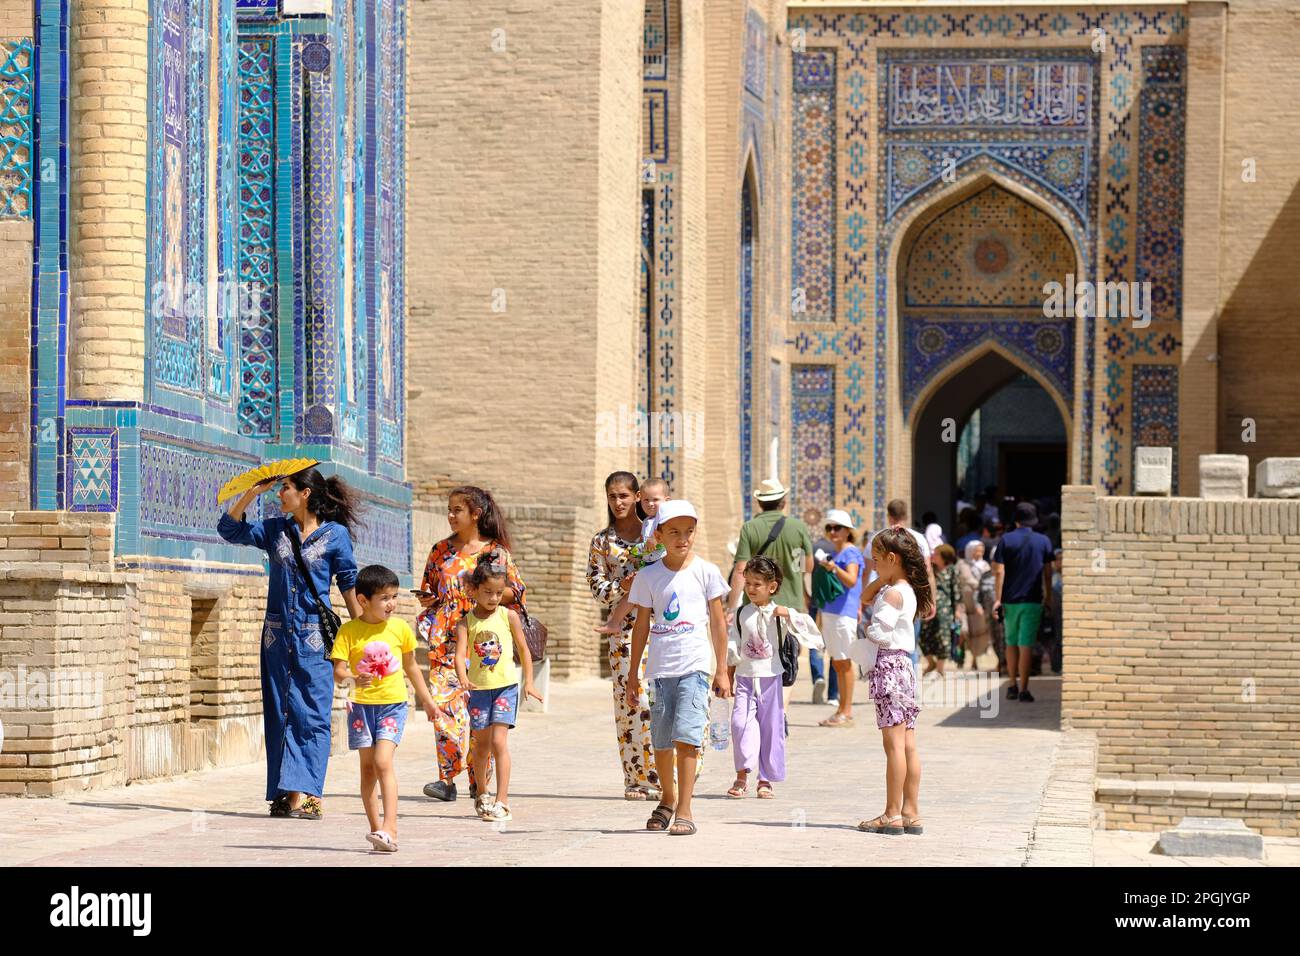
<point x="1224" y="476"/>
<point x="1154" y="470"/>
<point x="1211" y="836"/>
<point x="1278" y="478"/>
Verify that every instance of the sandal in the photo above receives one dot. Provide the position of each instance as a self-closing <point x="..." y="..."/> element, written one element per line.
<point x="382" y="842"/>
<point x="883" y="824"/>
<point x="688" y="827"/>
<point x="913" y="826"/>
<point x="309" y="810"/>
<point x="765" y="790"/>
<point x="739" y="788"/>
<point x="634" y="793"/>
<point x="836" y="720"/>
<point x="280" y="806"/>
<point x="660" y="817"/>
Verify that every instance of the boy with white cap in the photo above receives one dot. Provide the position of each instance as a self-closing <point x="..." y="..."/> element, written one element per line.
<point x="679" y="612"/>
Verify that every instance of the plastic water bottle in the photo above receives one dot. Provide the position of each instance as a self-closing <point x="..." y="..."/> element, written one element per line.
<point x="720" y="723"/>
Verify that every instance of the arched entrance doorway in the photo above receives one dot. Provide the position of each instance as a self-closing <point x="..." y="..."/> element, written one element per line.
<point x="972" y="273"/>
<point x="989" y="424"/>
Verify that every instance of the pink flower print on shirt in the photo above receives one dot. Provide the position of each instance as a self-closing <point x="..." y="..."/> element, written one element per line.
<point x="757" y="648"/>
<point x="377" y="660"/>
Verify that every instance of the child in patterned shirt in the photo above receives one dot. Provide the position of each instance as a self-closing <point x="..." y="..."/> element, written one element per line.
<point x="646" y="551"/>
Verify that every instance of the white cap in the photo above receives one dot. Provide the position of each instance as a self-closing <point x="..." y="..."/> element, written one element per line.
<point x="836" y="516"/>
<point x="675" y="508"/>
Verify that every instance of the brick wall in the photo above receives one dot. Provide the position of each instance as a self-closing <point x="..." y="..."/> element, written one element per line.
<point x="1182" y="653"/>
<point x="108" y="93"/>
<point x="82" y="539"/>
<point x="1258" y="335"/>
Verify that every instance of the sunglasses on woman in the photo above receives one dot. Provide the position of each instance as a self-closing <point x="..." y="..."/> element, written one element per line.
<point x="832" y="528"/>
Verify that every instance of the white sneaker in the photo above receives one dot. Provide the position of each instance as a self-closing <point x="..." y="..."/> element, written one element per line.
<point x="819" y="690"/>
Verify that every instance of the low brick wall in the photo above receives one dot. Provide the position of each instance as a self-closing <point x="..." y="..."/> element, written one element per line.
<point x="1182" y="653"/>
<point x="81" y="538"/>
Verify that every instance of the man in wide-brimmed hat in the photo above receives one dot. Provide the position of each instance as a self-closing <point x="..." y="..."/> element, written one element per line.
<point x="781" y="537"/>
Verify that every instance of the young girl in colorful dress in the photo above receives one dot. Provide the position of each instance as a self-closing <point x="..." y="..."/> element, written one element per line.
<point x="487" y="639"/>
<point x="901" y="591"/>
<point x="477" y="525"/>
<point x="646" y="551"/>
<point x="754" y="655"/>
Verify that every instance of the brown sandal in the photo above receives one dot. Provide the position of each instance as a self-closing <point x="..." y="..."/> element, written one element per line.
<point x="660" y="817"/>
<point x="912" y="825"/>
<point x="739" y="788"/>
<point x="688" y="827"/>
<point x="765" y="790"/>
<point x="883" y="824"/>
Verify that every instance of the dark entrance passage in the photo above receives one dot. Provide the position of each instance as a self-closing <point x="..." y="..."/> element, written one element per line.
<point x="991" y="424"/>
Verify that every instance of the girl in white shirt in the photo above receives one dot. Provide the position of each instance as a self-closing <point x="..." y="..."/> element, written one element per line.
<point x="905" y="590"/>
<point x="754" y="655"/>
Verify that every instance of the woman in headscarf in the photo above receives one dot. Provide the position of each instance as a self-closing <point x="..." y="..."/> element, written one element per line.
<point x="970" y="571"/>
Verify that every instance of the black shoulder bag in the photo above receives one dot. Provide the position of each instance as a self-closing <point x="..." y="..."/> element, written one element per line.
<point x="329" y="621"/>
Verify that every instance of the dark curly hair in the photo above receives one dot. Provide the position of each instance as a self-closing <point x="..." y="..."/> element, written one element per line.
<point x="900" y="542"/>
<point x="331" y="498"/>
<point x="765" y="568"/>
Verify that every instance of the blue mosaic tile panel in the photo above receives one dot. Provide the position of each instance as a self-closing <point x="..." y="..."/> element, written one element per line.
<point x="256" y="238"/>
<point x="92" y="469"/>
<point x="746" y="358"/>
<point x="16" y="120"/>
<point x="177" y="261"/>
<point x="1160" y="178"/>
<point x="813" y="196"/>
<point x="654" y="124"/>
<point x="989" y="93"/>
<point x="1155" y="409"/>
<point x="812" y="439"/>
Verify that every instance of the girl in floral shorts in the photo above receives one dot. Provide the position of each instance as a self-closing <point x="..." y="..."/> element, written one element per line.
<point x="902" y="588"/>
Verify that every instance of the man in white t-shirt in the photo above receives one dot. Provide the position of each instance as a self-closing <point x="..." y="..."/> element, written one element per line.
<point x="679" y="612"/>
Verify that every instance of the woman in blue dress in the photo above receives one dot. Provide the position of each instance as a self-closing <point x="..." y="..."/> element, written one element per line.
<point x="297" y="679"/>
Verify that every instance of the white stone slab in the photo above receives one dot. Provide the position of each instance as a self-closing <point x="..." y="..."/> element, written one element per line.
<point x="1154" y="471"/>
<point x="1278" y="478"/>
<point x="1211" y="836"/>
<point x="1224" y="477"/>
<point x="304" y="7"/>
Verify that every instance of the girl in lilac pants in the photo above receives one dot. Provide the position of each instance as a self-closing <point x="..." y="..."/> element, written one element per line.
<point x="758" y="728"/>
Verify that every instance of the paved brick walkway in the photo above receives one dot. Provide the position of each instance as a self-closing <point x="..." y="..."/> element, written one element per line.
<point x="984" y="779"/>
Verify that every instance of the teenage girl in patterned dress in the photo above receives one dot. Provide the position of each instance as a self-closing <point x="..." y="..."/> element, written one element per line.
<point x="610" y="568"/>
<point x="477" y="525"/>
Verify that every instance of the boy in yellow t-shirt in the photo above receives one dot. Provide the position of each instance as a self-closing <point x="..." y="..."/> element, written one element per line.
<point x="377" y="651"/>
<point x="486" y="640"/>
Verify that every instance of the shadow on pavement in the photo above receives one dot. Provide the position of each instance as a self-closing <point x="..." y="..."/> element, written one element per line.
<point x="149" y="806"/>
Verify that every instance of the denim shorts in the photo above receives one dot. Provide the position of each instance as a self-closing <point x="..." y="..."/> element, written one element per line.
<point x="370" y="722"/>
<point x="497" y="706"/>
<point x="680" y="710"/>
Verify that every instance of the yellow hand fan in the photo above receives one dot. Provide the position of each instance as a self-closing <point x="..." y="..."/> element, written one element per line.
<point x="276" y="469"/>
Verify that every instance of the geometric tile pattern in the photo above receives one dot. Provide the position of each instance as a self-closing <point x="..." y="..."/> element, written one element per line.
<point x="654" y="46"/>
<point x="993" y="249"/>
<point x="1155" y="408"/>
<point x="812" y="255"/>
<point x="92" y="469"/>
<point x="746" y="357"/>
<point x="257" y="239"/>
<point x="813" y="440"/>
<point x="177" y="260"/>
<point x="16" y="128"/>
<point x="1160" y="179"/>
<point x="1103" y="227"/>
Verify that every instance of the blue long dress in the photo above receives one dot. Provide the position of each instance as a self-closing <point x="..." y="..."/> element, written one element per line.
<point x="297" y="680"/>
